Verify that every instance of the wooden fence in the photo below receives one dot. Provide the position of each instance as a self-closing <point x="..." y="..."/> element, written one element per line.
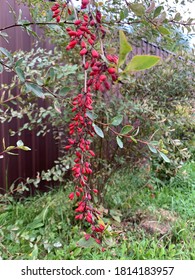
<point x="44" y="149"/>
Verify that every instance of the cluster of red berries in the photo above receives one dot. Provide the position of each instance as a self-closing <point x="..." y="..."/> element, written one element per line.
<point x="100" y="77"/>
<point x="58" y="9"/>
<point x="84" y="38"/>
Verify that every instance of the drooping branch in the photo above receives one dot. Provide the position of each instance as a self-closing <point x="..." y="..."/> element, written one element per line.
<point x="33" y="23"/>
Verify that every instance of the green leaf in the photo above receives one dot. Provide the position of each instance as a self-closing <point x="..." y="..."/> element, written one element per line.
<point x="119" y="142"/>
<point x="165" y="158"/>
<point x="20" y="74"/>
<point x="24" y="148"/>
<point x="177" y="17"/>
<point x="117" y="120"/>
<point x="133" y="139"/>
<point x="20" y="143"/>
<point x="1" y="68"/>
<point x="142" y="62"/>
<point x="35" y="225"/>
<point x="88" y="243"/>
<point x="116" y="215"/>
<point x="35" y="89"/>
<point x="125" y="48"/>
<point x="126" y="129"/>
<point x="91" y="116"/>
<point x="164" y="30"/>
<point x="98" y="130"/>
<point x="57" y="106"/>
<point x="158" y="11"/>
<point x="152" y="149"/>
<point x="64" y="90"/>
<point x="6" y="53"/>
<point x="34" y="253"/>
<point x="76" y="252"/>
<point x="10" y="148"/>
<point x="124" y="13"/>
<point x="19" y="62"/>
<point x="138" y="9"/>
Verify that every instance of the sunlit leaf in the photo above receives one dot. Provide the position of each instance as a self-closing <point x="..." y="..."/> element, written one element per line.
<point x="24" y="148"/>
<point x="10" y="148"/>
<point x="125" y="48"/>
<point x="142" y="62"/>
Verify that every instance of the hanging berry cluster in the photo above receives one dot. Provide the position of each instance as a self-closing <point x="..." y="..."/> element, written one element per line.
<point x="58" y="9"/>
<point x="87" y="32"/>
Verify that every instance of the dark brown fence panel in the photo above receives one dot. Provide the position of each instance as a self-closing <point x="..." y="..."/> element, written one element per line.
<point x="43" y="149"/>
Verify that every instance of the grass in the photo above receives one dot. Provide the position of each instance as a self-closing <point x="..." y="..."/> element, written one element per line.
<point x="43" y="227"/>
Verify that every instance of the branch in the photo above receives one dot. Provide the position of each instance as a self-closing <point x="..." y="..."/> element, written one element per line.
<point x="182" y="23"/>
<point x="33" y="23"/>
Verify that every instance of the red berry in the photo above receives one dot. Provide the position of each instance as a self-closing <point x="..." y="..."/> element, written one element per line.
<point x="78" y="194"/>
<point x="102" y="78"/>
<point x="79" y="217"/>
<point x="58" y="18"/>
<point x="83" y="44"/>
<point x="72" y="33"/>
<point x="85" y="17"/>
<point x="91" y="42"/>
<point x="98" y="16"/>
<point x="92" y="153"/>
<point x="95" y="190"/>
<point x="86" y="66"/>
<point x="71" y="196"/>
<point x="87" y="236"/>
<point x="78" y="22"/>
<point x="83" y="51"/>
<point x="111" y="70"/>
<point x="95" y="54"/>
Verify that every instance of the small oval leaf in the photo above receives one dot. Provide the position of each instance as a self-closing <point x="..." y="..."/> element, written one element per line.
<point x="163" y="30"/>
<point x="165" y="158"/>
<point x="91" y="116"/>
<point x="119" y="142"/>
<point x="20" y="74"/>
<point x="126" y="129"/>
<point x="138" y="9"/>
<point x="98" y="131"/>
<point x="35" y="89"/>
<point x="117" y="120"/>
<point x="152" y="149"/>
